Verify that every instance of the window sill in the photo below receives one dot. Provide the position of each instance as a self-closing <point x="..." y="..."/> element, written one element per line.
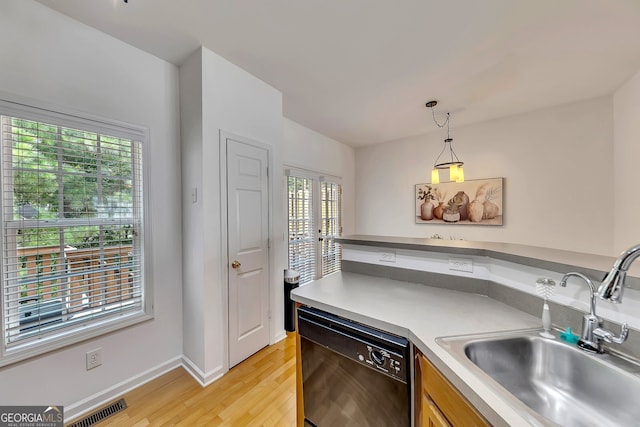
<point x="64" y="339"/>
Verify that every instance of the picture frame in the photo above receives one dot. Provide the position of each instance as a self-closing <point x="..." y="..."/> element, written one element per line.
<point x="472" y="202"/>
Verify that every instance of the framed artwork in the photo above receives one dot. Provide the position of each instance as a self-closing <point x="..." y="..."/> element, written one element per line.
<point x="473" y="202"/>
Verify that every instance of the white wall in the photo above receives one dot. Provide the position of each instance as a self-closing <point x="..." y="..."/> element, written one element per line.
<point x="191" y="118"/>
<point x="224" y="98"/>
<point x="307" y="149"/>
<point x="47" y="56"/>
<point x="558" y="169"/>
<point x="626" y="113"/>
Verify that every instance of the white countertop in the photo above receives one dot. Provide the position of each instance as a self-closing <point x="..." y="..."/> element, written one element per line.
<point x="534" y="256"/>
<point x="422" y="313"/>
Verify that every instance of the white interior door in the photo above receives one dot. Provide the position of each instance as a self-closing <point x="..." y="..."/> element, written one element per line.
<point x="247" y="236"/>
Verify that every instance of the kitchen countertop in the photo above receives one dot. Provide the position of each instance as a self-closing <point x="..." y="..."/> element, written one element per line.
<point x="421" y="314"/>
<point x="533" y="256"/>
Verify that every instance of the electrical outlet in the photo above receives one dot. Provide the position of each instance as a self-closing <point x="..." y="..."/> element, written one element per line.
<point x="461" y="264"/>
<point x="94" y="358"/>
<point x="388" y="256"/>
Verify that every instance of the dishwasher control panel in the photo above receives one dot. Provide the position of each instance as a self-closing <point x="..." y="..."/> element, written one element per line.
<point x="382" y="360"/>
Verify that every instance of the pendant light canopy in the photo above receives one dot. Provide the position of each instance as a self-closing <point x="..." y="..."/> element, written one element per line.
<point x="456" y="173"/>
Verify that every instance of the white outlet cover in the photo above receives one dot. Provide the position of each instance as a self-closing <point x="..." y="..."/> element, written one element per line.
<point x="461" y="264"/>
<point x="94" y="358"/>
<point x="388" y="256"/>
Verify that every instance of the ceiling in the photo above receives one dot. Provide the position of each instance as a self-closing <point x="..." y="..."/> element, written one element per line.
<point x="360" y="71"/>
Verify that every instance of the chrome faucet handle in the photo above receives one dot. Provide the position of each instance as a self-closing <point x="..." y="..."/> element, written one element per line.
<point x="607" y="336"/>
<point x="589" y="341"/>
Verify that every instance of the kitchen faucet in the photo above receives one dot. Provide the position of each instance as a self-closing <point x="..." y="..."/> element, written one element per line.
<point x="592" y="332"/>
<point x="613" y="284"/>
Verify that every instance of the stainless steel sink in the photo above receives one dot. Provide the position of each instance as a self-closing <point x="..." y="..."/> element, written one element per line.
<point x="558" y="383"/>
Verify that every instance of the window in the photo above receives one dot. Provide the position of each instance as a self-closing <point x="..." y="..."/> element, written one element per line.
<point x="314" y="206"/>
<point x="302" y="238"/>
<point x="331" y="227"/>
<point x="72" y="228"/>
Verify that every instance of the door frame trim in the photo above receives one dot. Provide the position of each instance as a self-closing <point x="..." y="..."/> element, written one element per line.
<point x="224" y="238"/>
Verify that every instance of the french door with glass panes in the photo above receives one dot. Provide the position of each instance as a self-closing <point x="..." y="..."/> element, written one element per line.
<point x="314" y="204"/>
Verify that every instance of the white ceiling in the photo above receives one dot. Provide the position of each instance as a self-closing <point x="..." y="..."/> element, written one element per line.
<point x="360" y="71"/>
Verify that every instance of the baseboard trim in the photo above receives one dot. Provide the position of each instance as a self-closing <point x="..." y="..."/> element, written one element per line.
<point x="97" y="400"/>
<point x="279" y="337"/>
<point x="204" y="379"/>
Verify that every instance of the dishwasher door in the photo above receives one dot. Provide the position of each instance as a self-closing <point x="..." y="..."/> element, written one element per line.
<point x="353" y="375"/>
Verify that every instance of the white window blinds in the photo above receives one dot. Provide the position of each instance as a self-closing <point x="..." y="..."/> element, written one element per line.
<point x="72" y="224"/>
<point x="331" y="194"/>
<point x="302" y="237"/>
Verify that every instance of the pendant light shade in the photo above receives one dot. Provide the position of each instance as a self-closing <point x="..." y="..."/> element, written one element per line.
<point x="435" y="176"/>
<point x="453" y="173"/>
<point x="456" y="174"/>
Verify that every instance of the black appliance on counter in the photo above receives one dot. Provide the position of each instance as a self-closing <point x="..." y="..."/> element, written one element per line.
<point x="352" y="374"/>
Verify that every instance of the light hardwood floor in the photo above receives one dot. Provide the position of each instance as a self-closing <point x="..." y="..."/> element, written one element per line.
<point x="260" y="391"/>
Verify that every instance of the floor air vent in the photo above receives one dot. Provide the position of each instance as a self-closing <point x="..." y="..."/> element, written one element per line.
<point x="101" y="414"/>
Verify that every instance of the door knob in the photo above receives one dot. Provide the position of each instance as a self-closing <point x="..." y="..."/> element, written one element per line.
<point x="236" y="264"/>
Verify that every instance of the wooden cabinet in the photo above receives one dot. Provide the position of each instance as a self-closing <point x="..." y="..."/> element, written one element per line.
<point x="440" y="404"/>
<point x="431" y="415"/>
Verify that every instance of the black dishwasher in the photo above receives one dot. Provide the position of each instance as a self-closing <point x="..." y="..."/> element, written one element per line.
<point x="352" y="374"/>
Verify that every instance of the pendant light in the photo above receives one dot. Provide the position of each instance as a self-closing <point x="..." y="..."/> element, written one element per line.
<point x="456" y="173"/>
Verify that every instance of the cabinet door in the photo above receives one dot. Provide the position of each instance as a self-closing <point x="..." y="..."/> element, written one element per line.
<point x="431" y="415"/>
<point x="452" y="404"/>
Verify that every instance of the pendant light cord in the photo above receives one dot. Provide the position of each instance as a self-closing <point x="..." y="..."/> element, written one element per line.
<point x="448" y="140"/>
<point x="445" y="123"/>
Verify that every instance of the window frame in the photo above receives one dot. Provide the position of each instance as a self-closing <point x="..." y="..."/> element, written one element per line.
<point x="317" y="179"/>
<point x="22" y="108"/>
